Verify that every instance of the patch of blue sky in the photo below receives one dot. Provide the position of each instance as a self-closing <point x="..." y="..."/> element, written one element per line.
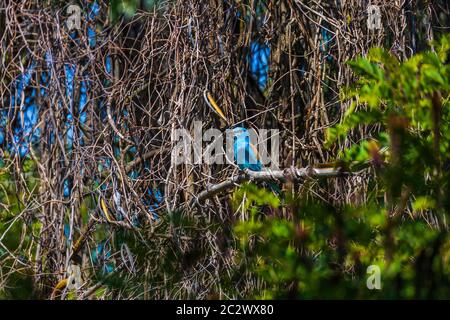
<point x="93" y="11"/>
<point x="259" y="62"/>
<point x="70" y="70"/>
<point x="67" y="187"/>
<point x="153" y="200"/>
<point x="100" y="256"/>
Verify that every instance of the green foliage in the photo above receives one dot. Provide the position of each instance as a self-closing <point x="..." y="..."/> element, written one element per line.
<point x="15" y="234"/>
<point x="323" y="251"/>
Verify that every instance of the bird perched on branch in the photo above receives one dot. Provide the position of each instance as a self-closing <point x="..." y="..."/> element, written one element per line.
<point x="246" y="155"/>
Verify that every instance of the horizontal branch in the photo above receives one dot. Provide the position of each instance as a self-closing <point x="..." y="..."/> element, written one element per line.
<point x="291" y="174"/>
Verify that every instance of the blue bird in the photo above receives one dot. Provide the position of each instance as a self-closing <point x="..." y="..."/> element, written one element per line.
<point x="246" y="155"/>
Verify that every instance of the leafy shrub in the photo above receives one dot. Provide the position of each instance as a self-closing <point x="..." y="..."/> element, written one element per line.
<point x="323" y="250"/>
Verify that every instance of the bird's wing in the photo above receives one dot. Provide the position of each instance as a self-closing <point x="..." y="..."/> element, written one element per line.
<point x="245" y="156"/>
<point x="255" y="150"/>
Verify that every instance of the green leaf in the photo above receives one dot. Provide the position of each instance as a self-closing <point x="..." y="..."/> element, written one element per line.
<point x="364" y="67"/>
<point x="423" y="203"/>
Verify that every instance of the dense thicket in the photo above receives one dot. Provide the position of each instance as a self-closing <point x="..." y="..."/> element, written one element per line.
<point x="85" y="133"/>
